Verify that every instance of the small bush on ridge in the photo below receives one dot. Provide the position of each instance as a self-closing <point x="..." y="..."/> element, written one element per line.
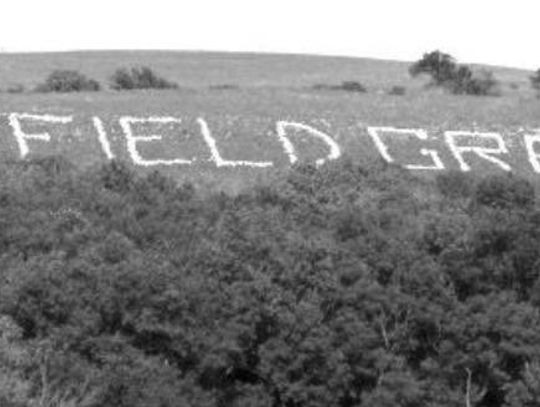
<point x="139" y="78"/>
<point x="347" y="86"/>
<point x="353" y="86"/>
<point x="224" y="86"/>
<point x="535" y="81"/>
<point x="68" y="81"/>
<point x="481" y="84"/>
<point x="15" y="88"/>
<point x="397" y="90"/>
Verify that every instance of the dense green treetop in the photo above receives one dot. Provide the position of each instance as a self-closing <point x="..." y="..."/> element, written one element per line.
<point x="339" y="286"/>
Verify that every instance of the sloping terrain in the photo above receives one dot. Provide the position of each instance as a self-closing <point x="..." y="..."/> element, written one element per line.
<point x="243" y="98"/>
<point x="349" y="285"/>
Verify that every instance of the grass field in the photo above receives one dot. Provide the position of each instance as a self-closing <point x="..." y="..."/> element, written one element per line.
<point x="241" y="96"/>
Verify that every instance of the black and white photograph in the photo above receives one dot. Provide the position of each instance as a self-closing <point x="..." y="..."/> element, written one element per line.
<point x="297" y="203"/>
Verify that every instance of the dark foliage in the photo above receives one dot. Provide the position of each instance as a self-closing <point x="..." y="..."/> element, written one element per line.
<point x="139" y="78"/>
<point x="535" y="81"/>
<point x="457" y="78"/>
<point x="68" y="81"/>
<point x="397" y="90"/>
<point x="346" y="86"/>
<point x="504" y="191"/>
<point x="335" y="286"/>
<point x="15" y="88"/>
<point x="455" y="184"/>
<point x="440" y="66"/>
<point x="481" y="84"/>
<point x="224" y="86"/>
<point x="353" y="86"/>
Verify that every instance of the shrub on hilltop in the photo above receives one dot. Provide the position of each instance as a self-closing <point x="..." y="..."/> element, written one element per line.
<point x="535" y="81"/>
<point x="482" y="83"/>
<point x="353" y="86"/>
<point x="397" y="90"/>
<point x="139" y="78"/>
<point x="457" y="78"/>
<point x="440" y="66"/>
<point x="346" y="86"/>
<point x="15" y="88"/>
<point x="68" y="81"/>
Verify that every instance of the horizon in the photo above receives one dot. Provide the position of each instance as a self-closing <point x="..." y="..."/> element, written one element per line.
<point x="479" y="33"/>
<point x="254" y="53"/>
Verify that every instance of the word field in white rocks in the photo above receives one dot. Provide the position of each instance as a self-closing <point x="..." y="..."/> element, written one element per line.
<point x="460" y="145"/>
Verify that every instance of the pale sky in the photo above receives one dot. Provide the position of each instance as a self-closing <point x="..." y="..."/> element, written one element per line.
<point x="499" y="32"/>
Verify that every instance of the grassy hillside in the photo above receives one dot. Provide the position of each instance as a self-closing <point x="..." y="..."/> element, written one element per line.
<point x="200" y="69"/>
<point x="350" y="285"/>
<point x="261" y="89"/>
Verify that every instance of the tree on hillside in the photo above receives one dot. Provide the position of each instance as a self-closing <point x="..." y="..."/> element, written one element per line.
<point x="457" y="78"/>
<point x="440" y="66"/>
